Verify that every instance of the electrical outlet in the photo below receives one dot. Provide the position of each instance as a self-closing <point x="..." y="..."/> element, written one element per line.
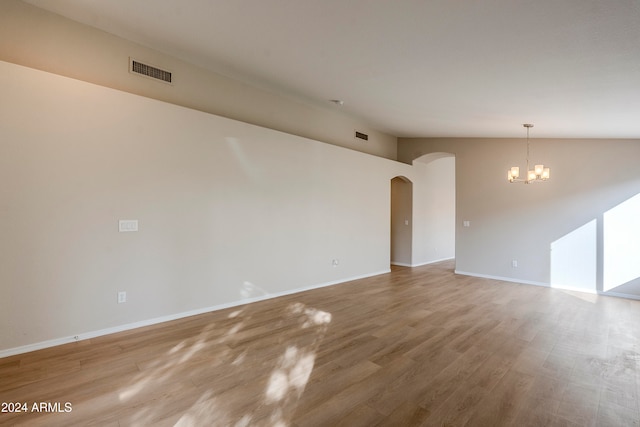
<point x="127" y="225"/>
<point x="514" y="263"/>
<point x="122" y="297"/>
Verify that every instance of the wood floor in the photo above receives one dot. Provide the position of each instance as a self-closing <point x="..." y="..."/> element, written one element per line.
<point x="416" y="347"/>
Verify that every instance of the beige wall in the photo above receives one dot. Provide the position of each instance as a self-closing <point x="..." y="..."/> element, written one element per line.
<point x="227" y="211"/>
<point x="591" y="182"/>
<point x="401" y="221"/>
<point x="39" y="39"/>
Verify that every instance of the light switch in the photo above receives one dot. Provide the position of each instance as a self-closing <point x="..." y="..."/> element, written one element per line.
<point x="126" y="225"/>
<point x="406" y="222"/>
<point x="466" y="223"/>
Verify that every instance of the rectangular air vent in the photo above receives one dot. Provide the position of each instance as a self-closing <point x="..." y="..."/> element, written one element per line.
<point x="362" y="136"/>
<point x="146" y="70"/>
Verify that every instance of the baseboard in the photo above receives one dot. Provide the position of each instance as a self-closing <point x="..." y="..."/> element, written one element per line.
<point x="121" y="328"/>
<point x="503" y="279"/>
<point x="432" y="262"/>
<point x="547" y="285"/>
<point x="619" y="295"/>
<point x="402" y="264"/>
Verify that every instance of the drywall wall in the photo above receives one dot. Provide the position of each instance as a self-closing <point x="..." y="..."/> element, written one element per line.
<point x="589" y="203"/>
<point x="434" y="209"/>
<point x="227" y="211"/>
<point x="39" y="39"/>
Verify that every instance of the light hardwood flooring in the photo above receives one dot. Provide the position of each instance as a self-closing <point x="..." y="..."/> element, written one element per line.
<point x="416" y="347"/>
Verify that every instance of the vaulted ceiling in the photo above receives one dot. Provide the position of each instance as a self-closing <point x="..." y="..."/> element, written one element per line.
<point x="411" y="68"/>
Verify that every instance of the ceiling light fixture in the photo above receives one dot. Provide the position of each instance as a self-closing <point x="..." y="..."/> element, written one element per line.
<point x="339" y="102"/>
<point x="538" y="173"/>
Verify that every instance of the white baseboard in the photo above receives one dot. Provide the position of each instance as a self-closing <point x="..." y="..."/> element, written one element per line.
<point x="93" y="334"/>
<point x="402" y="264"/>
<point x="547" y="285"/>
<point x="619" y="295"/>
<point x="574" y="289"/>
<point x="432" y="262"/>
<point x="504" y="279"/>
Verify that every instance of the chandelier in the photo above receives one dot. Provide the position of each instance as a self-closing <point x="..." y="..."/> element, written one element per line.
<point x="538" y="173"/>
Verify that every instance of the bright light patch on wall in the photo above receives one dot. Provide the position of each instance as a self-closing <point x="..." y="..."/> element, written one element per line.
<point x="621" y="229"/>
<point x="573" y="260"/>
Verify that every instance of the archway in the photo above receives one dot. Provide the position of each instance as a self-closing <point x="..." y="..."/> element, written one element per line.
<point x="401" y="221"/>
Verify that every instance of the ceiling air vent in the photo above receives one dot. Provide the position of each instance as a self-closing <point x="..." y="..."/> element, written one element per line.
<point x="363" y="136"/>
<point x="146" y="70"/>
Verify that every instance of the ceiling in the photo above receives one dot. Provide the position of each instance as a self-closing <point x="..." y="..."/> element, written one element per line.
<point x="411" y="68"/>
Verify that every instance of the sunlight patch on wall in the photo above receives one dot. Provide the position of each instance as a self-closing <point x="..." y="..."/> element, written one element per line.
<point x="249" y="290"/>
<point x="574" y="259"/>
<point x="243" y="160"/>
<point x="621" y="228"/>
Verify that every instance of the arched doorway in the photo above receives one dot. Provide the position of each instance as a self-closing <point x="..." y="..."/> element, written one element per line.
<point x="401" y="221"/>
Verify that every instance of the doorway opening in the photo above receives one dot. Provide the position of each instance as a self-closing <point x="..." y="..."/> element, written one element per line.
<point x="401" y="221"/>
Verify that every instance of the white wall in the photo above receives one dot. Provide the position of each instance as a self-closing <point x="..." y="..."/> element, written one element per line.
<point x="434" y="209"/>
<point x="226" y="210"/>
<point x="589" y="202"/>
<point x="39" y="39"/>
